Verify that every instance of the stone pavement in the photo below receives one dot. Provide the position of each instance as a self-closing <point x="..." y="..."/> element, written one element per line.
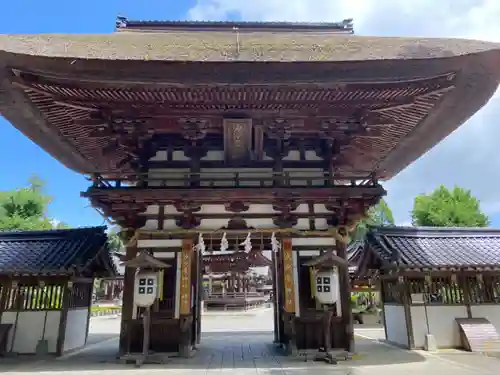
<point x="241" y="345"/>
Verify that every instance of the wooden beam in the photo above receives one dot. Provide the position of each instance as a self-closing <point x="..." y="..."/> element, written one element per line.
<point x="206" y="164"/>
<point x="228" y="215"/>
<point x="165" y="195"/>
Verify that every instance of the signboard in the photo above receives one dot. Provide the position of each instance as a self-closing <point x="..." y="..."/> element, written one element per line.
<point x="185" y="280"/>
<point x="289" y="292"/>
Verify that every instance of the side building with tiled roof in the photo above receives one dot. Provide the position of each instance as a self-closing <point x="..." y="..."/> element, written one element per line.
<point x="46" y="280"/>
<point x="440" y="286"/>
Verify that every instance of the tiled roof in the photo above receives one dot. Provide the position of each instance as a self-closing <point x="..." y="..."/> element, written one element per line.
<point x="56" y="252"/>
<point x="354" y="254"/>
<point x="435" y="247"/>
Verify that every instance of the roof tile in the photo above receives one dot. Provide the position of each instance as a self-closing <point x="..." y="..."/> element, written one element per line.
<point x="436" y="247"/>
<point x="55" y="251"/>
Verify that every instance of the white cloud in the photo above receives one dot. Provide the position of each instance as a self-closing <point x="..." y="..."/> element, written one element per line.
<point x="55" y="222"/>
<point x="468" y="157"/>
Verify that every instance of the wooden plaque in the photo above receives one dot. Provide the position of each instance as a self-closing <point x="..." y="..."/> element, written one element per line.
<point x="185" y="280"/>
<point x="289" y="292"/>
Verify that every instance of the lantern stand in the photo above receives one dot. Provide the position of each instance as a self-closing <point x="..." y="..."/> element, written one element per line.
<point x="326" y="292"/>
<point x="146" y="293"/>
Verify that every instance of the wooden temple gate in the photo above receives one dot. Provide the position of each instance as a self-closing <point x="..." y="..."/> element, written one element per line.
<point x="225" y="128"/>
<point x="176" y="316"/>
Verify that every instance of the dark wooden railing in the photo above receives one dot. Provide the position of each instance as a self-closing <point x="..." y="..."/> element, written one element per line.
<point x="445" y="290"/>
<point x="231" y="179"/>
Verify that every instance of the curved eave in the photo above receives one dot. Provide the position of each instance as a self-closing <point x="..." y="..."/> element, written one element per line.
<point x="102" y="58"/>
<point x="224" y="46"/>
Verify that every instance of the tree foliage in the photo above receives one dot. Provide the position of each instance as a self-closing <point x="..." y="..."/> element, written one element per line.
<point x="114" y="241"/>
<point x="378" y="215"/>
<point x="26" y="208"/>
<point x="448" y="208"/>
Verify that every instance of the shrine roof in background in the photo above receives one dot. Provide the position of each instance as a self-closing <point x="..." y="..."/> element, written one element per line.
<point x="220" y="262"/>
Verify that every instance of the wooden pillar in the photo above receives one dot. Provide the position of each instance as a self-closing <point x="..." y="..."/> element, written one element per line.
<point x="289" y="295"/>
<point x="345" y="297"/>
<point x="185" y="314"/>
<point x="465" y="286"/>
<point x="406" y="301"/>
<point x="63" y="320"/>
<point x="276" y="315"/>
<point x="128" y="296"/>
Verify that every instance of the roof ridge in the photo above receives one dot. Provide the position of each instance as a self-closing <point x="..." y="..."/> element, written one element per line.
<point x="406" y="231"/>
<point x="5" y="233"/>
<point x="346" y="25"/>
<point x="467" y="247"/>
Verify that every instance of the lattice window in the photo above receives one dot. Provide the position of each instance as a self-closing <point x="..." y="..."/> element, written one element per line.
<point x="484" y="289"/>
<point x="440" y="290"/>
<point x="80" y="295"/>
<point x="392" y="292"/>
<point x="34" y="297"/>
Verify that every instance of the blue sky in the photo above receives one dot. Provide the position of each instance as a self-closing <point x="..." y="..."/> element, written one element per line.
<point x="20" y="157"/>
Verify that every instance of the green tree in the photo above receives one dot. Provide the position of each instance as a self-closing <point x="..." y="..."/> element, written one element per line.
<point x="114" y="241"/>
<point x="448" y="208"/>
<point x="378" y="215"/>
<point x="26" y="208"/>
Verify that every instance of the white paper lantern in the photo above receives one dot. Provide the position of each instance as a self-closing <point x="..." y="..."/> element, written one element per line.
<point x="327" y="286"/>
<point x="146" y="288"/>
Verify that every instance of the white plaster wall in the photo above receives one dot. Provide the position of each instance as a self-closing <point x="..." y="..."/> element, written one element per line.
<point x="167" y="176"/>
<point x="214" y="155"/>
<point x="248" y="177"/>
<point x="159" y="243"/>
<point x="209" y="223"/>
<point x="442" y="324"/>
<point x="309" y="253"/>
<point x="24" y="335"/>
<point x="153" y="209"/>
<point x="312" y="241"/>
<point x="396" y="324"/>
<point x="164" y="254"/>
<point x="213" y="223"/>
<point x="76" y="329"/>
<point x="160" y="156"/>
<point x="490" y="312"/>
<point x="311" y="155"/>
<point x="298" y="176"/>
<point x="179" y="156"/>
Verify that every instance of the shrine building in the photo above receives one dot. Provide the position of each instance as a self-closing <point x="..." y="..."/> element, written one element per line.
<point x="437" y="284"/>
<point x="205" y="137"/>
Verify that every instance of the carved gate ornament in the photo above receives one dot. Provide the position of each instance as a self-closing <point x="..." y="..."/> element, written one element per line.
<point x="280" y="128"/>
<point x="194" y="129"/>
